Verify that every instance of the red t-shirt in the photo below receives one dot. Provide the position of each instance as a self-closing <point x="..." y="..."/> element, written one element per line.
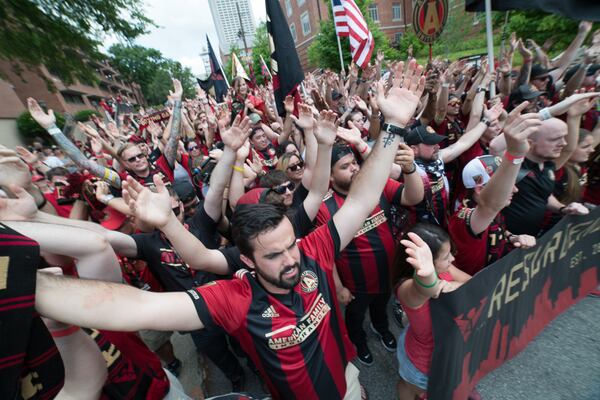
<point x="297" y="341"/>
<point x="419" y="337"/>
<point x="62" y="210"/>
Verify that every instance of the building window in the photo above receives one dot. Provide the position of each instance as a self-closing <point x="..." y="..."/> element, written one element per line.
<point x="305" y="19"/>
<point x="396" y="12"/>
<point x="73" y="98"/>
<point x="398" y="37"/>
<point x="373" y="12"/>
<point x="293" y="31"/>
<point x="300" y="2"/>
<point x="288" y="7"/>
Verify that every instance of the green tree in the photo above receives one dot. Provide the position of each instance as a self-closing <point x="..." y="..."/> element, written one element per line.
<point x="323" y="52"/>
<point x="57" y="33"/>
<point x="30" y="129"/>
<point x="261" y="48"/>
<point x="149" y="69"/>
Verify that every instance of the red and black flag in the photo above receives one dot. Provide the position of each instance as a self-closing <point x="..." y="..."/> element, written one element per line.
<point x="285" y="65"/>
<point x="574" y="9"/>
<point x="216" y="78"/>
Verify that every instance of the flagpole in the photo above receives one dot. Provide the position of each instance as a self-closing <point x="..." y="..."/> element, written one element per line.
<point x="340" y="51"/>
<point x="490" y="43"/>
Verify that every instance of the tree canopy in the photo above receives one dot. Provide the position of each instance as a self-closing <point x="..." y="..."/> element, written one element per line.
<point x="151" y="70"/>
<point x="61" y="34"/>
<point x="323" y="52"/>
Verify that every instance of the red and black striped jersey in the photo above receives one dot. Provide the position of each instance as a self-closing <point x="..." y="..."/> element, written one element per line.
<point x="433" y="208"/>
<point x="160" y="166"/>
<point x="297" y="341"/>
<point x="30" y="365"/>
<point x="365" y="264"/>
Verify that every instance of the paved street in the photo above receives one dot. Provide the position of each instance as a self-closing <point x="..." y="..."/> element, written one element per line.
<point x="562" y="363"/>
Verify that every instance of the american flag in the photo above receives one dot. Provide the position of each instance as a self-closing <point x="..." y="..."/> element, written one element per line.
<point x="350" y="22"/>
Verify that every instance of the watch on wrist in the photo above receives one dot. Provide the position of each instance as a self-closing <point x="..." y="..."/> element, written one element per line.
<point x="486" y="121"/>
<point x="394" y="129"/>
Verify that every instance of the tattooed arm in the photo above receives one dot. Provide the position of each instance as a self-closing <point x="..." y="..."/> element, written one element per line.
<point x="48" y="122"/>
<point x="171" y="146"/>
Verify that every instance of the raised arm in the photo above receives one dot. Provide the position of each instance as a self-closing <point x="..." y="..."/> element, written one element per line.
<point x="571" y="52"/>
<point x="48" y="122"/>
<point x="398" y="108"/>
<point x="233" y="138"/>
<point x="573" y="125"/>
<point x="494" y="196"/>
<point x="155" y="209"/>
<point x="171" y="146"/>
<point x="325" y="136"/>
<point x="306" y="121"/>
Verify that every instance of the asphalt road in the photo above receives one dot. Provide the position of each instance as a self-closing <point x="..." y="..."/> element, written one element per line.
<point x="563" y="362"/>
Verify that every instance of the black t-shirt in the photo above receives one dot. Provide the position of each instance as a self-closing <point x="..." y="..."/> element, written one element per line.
<point x="526" y="211"/>
<point x="299" y="196"/>
<point x="302" y="227"/>
<point x="164" y="262"/>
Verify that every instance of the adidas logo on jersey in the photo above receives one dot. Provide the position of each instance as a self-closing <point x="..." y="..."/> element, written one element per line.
<point x="270" y="313"/>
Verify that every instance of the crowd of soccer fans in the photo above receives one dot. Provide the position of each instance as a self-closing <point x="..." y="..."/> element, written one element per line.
<point x="267" y="237"/>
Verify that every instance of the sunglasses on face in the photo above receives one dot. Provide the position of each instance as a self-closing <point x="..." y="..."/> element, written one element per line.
<point x="282" y="188"/>
<point x="296" y="167"/>
<point x="136" y="157"/>
<point x="454" y="103"/>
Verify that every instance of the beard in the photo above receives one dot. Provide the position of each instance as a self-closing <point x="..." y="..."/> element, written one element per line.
<point x="282" y="282"/>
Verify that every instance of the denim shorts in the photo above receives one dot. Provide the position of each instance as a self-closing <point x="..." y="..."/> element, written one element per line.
<point x="407" y="370"/>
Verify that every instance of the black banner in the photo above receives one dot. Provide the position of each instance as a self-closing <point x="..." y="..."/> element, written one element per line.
<point x="588" y="10"/>
<point x="491" y="318"/>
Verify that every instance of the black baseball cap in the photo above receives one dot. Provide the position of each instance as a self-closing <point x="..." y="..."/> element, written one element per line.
<point x="538" y="71"/>
<point x="525" y="92"/>
<point x="423" y="134"/>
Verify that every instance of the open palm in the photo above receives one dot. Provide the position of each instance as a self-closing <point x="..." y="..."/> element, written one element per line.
<point x="150" y="207"/>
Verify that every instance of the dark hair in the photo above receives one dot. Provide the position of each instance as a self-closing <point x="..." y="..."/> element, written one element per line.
<point x="433" y="235"/>
<point x="280" y="149"/>
<point x="250" y="220"/>
<point x="273" y="178"/>
<point x="351" y="115"/>
<point x="56" y="171"/>
<point x="254" y="130"/>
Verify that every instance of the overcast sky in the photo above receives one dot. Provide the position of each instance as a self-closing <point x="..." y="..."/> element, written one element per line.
<point x="183" y="26"/>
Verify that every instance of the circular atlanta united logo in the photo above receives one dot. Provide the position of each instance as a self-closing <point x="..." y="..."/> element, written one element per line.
<point x="309" y="281"/>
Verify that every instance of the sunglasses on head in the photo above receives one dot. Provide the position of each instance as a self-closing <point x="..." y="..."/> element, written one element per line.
<point x="136" y="157"/>
<point x="282" y="188"/>
<point x="296" y="167"/>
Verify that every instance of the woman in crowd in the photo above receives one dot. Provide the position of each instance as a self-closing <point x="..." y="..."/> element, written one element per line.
<point x="424" y="272"/>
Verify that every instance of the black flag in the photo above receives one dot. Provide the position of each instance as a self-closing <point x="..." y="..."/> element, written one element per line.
<point x="285" y="65"/>
<point x="216" y="78"/>
<point x="588" y="10"/>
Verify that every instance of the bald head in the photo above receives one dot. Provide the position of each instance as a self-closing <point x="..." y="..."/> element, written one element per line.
<point x="547" y="143"/>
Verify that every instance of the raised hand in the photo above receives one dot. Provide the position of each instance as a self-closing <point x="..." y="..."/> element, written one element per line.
<point x="177" y="90"/>
<point x="22" y="208"/>
<point x="236" y="135"/>
<point x="419" y="255"/>
<point x="326" y="128"/>
<point x="13" y="170"/>
<point x="242" y="153"/>
<point x="305" y="118"/>
<point x="494" y="113"/>
<point x="402" y="99"/>
<point x="581" y="106"/>
<point x="46" y="120"/>
<point x="288" y="104"/>
<point x="570" y="102"/>
<point x="575" y="209"/>
<point x="151" y="208"/>
<point x="350" y="136"/>
<point x="518" y="128"/>
<point x="26" y="155"/>
<point x="525" y="52"/>
<point x="380" y="56"/>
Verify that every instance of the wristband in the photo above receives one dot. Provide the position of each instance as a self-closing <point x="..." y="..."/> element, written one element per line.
<point x="64" y="332"/>
<point x="365" y="150"/>
<point x="411" y="172"/>
<point x="486" y="121"/>
<point x="393" y="129"/>
<point x="424" y="285"/>
<point x="43" y="203"/>
<point x="445" y="85"/>
<point x="560" y="210"/>
<point x="106" y="199"/>
<point x="513" y="159"/>
<point x="238" y="169"/>
<point x="54" y="130"/>
<point x="480" y="89"/>
<point x="545" y="113"/>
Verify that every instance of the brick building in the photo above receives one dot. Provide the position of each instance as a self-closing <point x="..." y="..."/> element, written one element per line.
<point x="33" y="82"/>
<point x="393" y="17"/>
